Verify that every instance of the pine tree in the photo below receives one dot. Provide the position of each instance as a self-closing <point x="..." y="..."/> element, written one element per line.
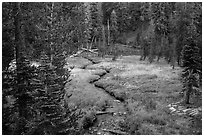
<point x="54" y="28"/>
<point x="79" y="27"/>
<point x="38" y="94"/>
<point x="17" y="82"/>
<point x="191" y="63"/>
<point x="160" y="16"/>
<point x="87" y="23"/>
<point x="95" y="22"/>
<point x="52" y="117"/>
<point x="17" y="114"/>
<point x="22" y="76"/>
<point x="152" y="42"/>
<point x="114" y="32"/>
<point x="182" y="22"/>
<point x="9" y="107"/>
<point x="148" y="38"/>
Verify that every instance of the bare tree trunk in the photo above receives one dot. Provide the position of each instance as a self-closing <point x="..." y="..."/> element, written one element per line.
<point x="17" y="18"/>
<point x="51" y="34"/>
<point x="104" y="36"/>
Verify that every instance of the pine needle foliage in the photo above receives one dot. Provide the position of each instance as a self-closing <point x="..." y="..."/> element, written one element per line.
<point x="191" y="63"/>
<point x="51" y="115"/>
<point x="36" y="105"/>
<point x="18" y="98"/>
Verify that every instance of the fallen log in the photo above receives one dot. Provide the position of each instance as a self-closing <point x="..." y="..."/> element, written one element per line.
<point x="116" y="132"/>
<point x="94" y="49"/>
<point x="90" y="50"/>
<point x="102" y="113"/>
<point x="82" y="50"/>
<point x="76" y="54"/>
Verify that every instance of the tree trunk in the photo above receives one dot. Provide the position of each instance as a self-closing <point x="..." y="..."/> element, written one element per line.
<point x="16" y="12"/>
<point x="173" y="59"/>
<point x="21" y="100"/>
<point x="51" y="34"/>
<point x="108" y="32"/>
<point x="104" y="36"/>
<point x="178" y="60"/>
<point x="161" y="43"/>
<point x="17" y="24"/>
<point x="187" y="94"/>
<point x="142" y="49"/>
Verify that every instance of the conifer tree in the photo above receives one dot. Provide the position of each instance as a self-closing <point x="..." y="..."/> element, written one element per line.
<point x="87" y="23"/>
<point x="144" y="38"/>
<point x="191" y="63"/>
<point x="95" y="22"/>
<point x="182" y="23"/>
<point x="51" y="115"/>
<point x="37" y="94"/>
<point x="114" y="32"/>
<point x="21" y="76"/>
<point x="17" y="114"/>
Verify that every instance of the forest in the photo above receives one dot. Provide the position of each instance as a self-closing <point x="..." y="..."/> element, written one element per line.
<point x="101" y="68"/>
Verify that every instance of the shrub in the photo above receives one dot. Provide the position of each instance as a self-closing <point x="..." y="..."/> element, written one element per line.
<point x="88" y="120"/>
<point x="154" y="119"/>
<point x="150" y="104"/>
<point x="121" y="96"/>
<point x="103" y="105"/>
<point x="131" y="124"/>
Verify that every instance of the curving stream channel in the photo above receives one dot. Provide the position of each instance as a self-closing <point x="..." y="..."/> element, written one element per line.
<point x="89" y="93"/>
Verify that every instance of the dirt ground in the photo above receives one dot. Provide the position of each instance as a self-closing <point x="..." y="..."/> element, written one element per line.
<point x="128" y="96"/>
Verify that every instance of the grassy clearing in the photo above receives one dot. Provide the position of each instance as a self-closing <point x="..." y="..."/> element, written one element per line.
<point x="146" y="90"/>
<point x="155" y="86"/>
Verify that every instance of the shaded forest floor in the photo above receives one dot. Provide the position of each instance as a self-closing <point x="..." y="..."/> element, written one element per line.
<point x="128" y="96"/>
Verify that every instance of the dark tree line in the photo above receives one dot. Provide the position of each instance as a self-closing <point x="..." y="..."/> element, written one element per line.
<point x="33" y="97"/>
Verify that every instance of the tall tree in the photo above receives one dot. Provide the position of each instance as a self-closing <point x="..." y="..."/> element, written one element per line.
<point x="113" y="26"/>
<point x="29" y="110"/>
<point x="21" y="94"/>
<point x="8" y="37"/>
<point x="191" y="59"/>
<point x="88" y="23"/>
<point x="51" y="115"/>
<point x="96" y="22"/>
<point x="192" y="69"/>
